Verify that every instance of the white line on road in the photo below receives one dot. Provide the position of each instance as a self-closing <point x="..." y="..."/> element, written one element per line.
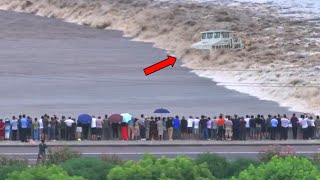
<point x="163" y="153"/>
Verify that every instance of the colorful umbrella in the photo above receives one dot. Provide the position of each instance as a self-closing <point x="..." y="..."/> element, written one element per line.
<point x="115" y="118"/>
<point x="85" y="119"/>
<point x="126" y="117"/>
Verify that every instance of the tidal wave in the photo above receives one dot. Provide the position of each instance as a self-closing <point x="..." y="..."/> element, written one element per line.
<point x="281" y="63"/>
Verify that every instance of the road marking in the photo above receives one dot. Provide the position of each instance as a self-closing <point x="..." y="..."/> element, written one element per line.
<point x="163" y="153"/>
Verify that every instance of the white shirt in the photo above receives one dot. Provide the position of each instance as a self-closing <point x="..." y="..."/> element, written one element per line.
<point x="190" y="122"/>
<point x="247" y="122"/>
<point x="93" y="123"/>
<point x="284" y="122"/>
<point x="209" y="124"/>
<point x="14" y="124"/>
<point x="311" y="122"/>
<point x="304" y="123"/>
<point x="69" y="122"/>
<point x="196" y="123"/>
<point x="40" y="123"/>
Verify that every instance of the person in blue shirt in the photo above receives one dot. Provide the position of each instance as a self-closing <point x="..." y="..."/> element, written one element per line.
<point x="274" y="125"/>
<point x="176" y="128"/>
<point x="24" y="125"/>
<point x="29" y="124"/>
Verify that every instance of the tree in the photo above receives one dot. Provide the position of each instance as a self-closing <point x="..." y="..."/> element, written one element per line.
<point x="89" y="168"/>
<point x="218" y="166"/>
<point x="42" y="173"/>
<point x="286" y="168"/>
<point x="150" y="168"/>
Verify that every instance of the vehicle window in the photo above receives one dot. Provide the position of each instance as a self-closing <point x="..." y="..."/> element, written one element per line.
<point x="204" y="36"/>
<point x="217" y="35"/>
<point x="209" y="35"/>
<point x="225" y="35"/>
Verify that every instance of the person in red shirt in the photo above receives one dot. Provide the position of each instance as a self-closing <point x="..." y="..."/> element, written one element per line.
<point x="220" y="123"/>
<point x="2" y="129"/>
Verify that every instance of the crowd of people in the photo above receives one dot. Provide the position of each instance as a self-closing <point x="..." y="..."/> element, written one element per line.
<point x="25" y="128"/>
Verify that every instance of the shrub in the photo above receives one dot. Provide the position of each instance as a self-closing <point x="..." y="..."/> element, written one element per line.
<point x="275" y="150"/>
<point x="89" y="168"/>
<point x="239" y="165"/>
<point x="5" y="170"/>
<point x="59" y="155"/>
<point x="286" y="168"/>
<point x="42" y="173"/>
<point x="150" y="168"/>
<point x="113" y="159"/>
<point x="218" y="166"/>
<point x="5" y="161"/>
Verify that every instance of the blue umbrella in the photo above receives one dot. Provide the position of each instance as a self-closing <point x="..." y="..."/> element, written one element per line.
<point x="126" y="117"/>
<point x="161" y="111"/>
<point x="84" y="119"/>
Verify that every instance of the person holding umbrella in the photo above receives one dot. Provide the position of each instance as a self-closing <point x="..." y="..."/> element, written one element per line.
<point x="126" y="118"/>
<point x="85" y="121"/>
<point x="115" y="120"/>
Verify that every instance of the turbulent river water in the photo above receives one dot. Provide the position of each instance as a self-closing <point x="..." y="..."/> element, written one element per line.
<point x="55" y="67"/>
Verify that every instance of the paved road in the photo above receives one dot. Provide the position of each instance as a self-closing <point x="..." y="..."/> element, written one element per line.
<point x="136" y="152"/>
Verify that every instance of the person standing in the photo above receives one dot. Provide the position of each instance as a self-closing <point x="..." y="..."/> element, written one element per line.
<point x="209" y="127"/>
<point x="14" y="128"/>
<point x="153" y="128"/>
<point x="304" y="126"/>
<point x="142" y="127"/>
<point x="258" y="121"/>
<point x="220" y="123"/>
<point x="295" y="123"/>
<point x="160" y="129"/>
<point x="63" y="128"/>
<point x="311" y="127"/>
<point x="184" y="128"/>
<point x="203" y="127"/>
<point x="263" y="127"/>
<point x="46" y="124"/>
<point x="247" y="119"/>
<point x="176" y="128"/>
<point x="190" y="127"/>
<point x="35" y="129"/>
<point x="131" y="129"/>
<point x="115" y="134"/>
<point x="99" y="128"/>
<point x="106" y="128"/>
<point x="285" y="126"/>
<point x="42" y="152"/>
<point x="68" y="123"/>
<point x="252" y="123"/>
<point x="147" y="126"/>
<point x="2" y="130"/>
<point x="124" y="131"/>
<point x="136" y="134"/>
<point x="24" y="124"/>
<point x="317" y="125"/>
<point x="214" y="128"/>
<point x="93" y="128"/>
<point x="228" y="128"/>
<point x="268" y="127"/>
<point x="196" y="131"/>
<point x="29" y="126"/>
<point x="41" y="128"/>
<point x="274" y="126"/>
<point x="242" y="126"/>
<point x="235" y="127"/>
<point x="169" y="126"/>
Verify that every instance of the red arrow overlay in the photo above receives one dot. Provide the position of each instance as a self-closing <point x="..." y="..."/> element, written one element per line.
<point x="160" y="65"/>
